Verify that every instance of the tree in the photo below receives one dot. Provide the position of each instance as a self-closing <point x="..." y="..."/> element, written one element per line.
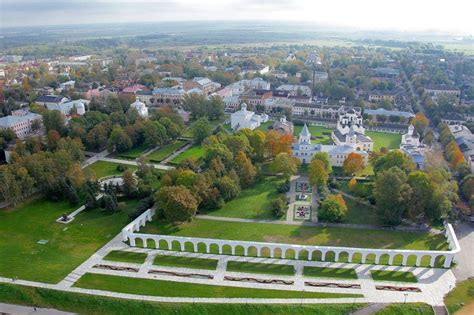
<point x="53" y="139"/>
<point x="53" y="120"/>
<point x="318" y="175"/>
<point x="154" y="133"/>
<point x="110" y="203"/>
<point x="467" y="186"/>
<point x="129" y="183"/>
<point x="423" y="190"/>
<point x="228" y="188"/>
<point x="10" y="189"/>
<point x="119" y="140"/>
<point x="201" y="129"/>
<point x="176" y="203"/>
<point x="392" y="195"/>
<point x="186" y="178"/>
<point x="286" y="164"/>
<point x="428" y="137"/>
<point x="353" y="163"/>
<point x="279" y="206"/>
<point x="245" y="169"/>
<point x="393" y="158"/>
<point x="276" y="143"/>
<point x="420" y="122"/>
<point x="324" y="157"/>
<point x="352" y="184"/>
<point x="333" y="209"/>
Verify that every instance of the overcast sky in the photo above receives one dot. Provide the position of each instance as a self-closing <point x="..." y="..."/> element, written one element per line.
<point x="407" y="15"/>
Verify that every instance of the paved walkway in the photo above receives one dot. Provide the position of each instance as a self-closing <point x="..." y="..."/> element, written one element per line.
<point x="371" y="309"/>
<point x="465" y="259"/>
<point x="27" y="310"/>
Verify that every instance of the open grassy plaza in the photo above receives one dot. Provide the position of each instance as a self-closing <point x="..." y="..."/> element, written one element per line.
<point x="165" y="151"/>
<point x="385" y="140"/>
<point x="462" y="297"/>
<point x="253" y="202"/>
<point x="99" y="305"/>
<point x="103" y="168"/>
<point x="67" y="246"/>
<point x="183" y="289"/>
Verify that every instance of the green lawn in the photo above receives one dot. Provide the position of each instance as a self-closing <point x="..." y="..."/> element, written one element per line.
<point x="254" y="202"/>
<point x="177" y="289"/>
<point x="123" y="256"/>
<point x="196" y="151"/>
<point x="163" y="152"/>
<point x="398" y="276"/>
<point x="306" y="235"/>
<point x="99" y="305"/>
<point x="134" y="153"/>
<point x="406" y="309"/>
<point x="316" y="132"/>
<point x="68" y="245"/>
<point x="385" y="139"/>
<point x="271" y="269"/>
<point x="185" y="262"/>
<point x="463" y="294"/>
<point x="324" y="272"/>
<point x="359" y="213"/>
<point x="103" y="168"/>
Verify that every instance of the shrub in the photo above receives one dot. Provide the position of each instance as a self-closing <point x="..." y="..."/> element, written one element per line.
<point x="333" y="209"/>
<point x="279" y="206"/>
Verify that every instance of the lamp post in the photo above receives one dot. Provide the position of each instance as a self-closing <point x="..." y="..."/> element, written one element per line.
<point x="406" y="294"/>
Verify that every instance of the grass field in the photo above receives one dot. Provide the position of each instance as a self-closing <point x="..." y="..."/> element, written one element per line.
<point x="254" y="202"/>
<point x="185" y="262"/>
<point x="163" y="152"/>
<point x="397" y="276"/>
<point x="68" y="245"/>
<point x="133" y="153"/>
<point x="98" y="305"/>
<point x="103" y="168"/>
<point x="271" y="269"/>
<point x="196" y="151"/>
<point x="406" y="309"/>
<point x="462" y="295"/>
<point x="316" y="132"/>
<point x="176" y="289"/>
<point x="306" y="235"/>
<point x="264" y="126"/>
<point x="359" y="213"/>
<point x="385" y="140"/>
<point x="334" y="273"/>
<point x="123" y="256"/>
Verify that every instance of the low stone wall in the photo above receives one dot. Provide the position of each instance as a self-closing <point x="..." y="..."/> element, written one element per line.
<point x="129" y="234"/>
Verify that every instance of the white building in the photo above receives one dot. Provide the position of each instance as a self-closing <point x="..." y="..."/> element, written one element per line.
<point x="246" y="119"/>
<point x="295" y="90"/>
<point x="140" y="107"/>
<point x="412" y="146"/>
<point x="20" y="122"/>
<point x="304" y="150"/>
<point x="69" y="108"/>
<point x="351" y="132"/>
<point x="67" y="85"/>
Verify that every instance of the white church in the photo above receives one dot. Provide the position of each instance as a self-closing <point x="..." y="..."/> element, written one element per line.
<point x="140" y="107"/>
<point x="246" y="119"/>
<point x="350" y="131"/>
<point x="304" y="150"/>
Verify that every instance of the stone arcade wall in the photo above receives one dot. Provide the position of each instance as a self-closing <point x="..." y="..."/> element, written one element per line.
<point x="129" y="234"/>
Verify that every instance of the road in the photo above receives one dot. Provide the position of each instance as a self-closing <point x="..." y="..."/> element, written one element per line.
<point x="24" y="310"/>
